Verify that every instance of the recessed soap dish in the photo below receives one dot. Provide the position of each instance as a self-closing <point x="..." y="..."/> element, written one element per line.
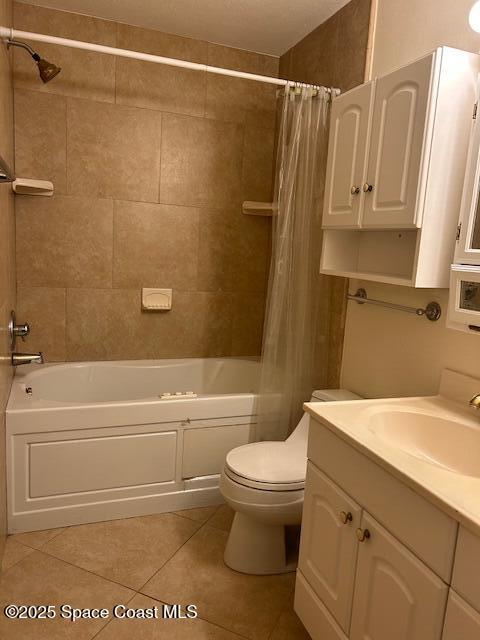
<point x="156" y="299"/>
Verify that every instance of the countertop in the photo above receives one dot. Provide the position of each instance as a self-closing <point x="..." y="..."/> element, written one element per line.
<point x="456" y="494"/>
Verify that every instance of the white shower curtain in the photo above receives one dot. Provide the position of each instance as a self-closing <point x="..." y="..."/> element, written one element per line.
<point x="292" y="311"/>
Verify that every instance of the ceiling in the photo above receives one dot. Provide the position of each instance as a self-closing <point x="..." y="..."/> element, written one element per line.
<point x="266" y="26"/>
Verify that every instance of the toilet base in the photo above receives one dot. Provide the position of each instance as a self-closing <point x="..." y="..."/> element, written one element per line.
<point x="260" y="549"/>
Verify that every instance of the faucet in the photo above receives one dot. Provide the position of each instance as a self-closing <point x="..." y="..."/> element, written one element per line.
<point x="475" y="402"/>
<point x="27" y="358"/>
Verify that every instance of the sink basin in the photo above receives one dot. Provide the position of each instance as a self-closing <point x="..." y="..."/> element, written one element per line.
<point x="452" y="445"/>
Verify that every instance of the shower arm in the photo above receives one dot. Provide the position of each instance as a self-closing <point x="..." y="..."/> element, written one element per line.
<point x="23" y="45"/>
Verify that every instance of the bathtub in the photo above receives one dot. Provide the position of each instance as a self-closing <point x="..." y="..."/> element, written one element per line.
<point x="95" y="441"/>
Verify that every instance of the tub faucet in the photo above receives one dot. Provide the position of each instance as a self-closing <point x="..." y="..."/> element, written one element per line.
<point x="27" y="358"/>
<point x="475" y="401"/>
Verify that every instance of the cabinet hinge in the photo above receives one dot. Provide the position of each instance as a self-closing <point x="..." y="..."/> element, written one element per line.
<point x="459" y="229"/>
<point x="475" y="110"/>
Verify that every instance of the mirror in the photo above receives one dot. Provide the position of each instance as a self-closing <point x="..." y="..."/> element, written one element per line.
<point x="467" y="246"/>
<point x="475" y="236"/>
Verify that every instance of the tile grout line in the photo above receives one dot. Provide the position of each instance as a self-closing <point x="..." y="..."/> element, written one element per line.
<point x="38" y="548"/>
<point x="170" y="558"/>
<point x="71" y="564"/>
<point x="43" y="550"/>
<point x="135" y="592"/>
<point x="216" y="624"/>
<point x="107" y="622"/>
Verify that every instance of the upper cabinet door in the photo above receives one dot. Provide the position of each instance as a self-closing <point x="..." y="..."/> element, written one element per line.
<point x="328" y="547"/>
<point x="396" y="595"/>
<point x="396" y="169"/>
<point x="347" y="157"/>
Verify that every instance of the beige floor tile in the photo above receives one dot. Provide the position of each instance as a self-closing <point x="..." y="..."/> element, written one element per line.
<point x="200" y="514"/>
<point x="36" y="539"/>
<point x="127" y="551"/>
<point x="14" y="552"/>
<point x="222" y="518"/>
<point x="289" y="627"/>
<point x="245" y="604"/>
<point x="158" y="629"/>
<point x="41" y="579"/>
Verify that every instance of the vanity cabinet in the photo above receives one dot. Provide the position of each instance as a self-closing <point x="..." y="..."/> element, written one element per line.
<point x="375" y="558"/>
<point x="395" y="169"/>
<point x="462" y="622"/>
<point x="396" y="596"/>
<point x="329" y="548"/>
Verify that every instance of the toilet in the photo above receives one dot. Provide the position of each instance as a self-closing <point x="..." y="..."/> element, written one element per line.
<point x="263" y="482"/>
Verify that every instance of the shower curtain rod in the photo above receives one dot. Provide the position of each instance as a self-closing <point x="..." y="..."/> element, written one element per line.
<point x="15" y="34"/>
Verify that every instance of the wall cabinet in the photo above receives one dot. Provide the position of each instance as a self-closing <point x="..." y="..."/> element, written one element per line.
<point x="376" y="560"/>
<point x="399" y="146"/>
<point x="347" y="157"/>
<point x="396" y="162"/>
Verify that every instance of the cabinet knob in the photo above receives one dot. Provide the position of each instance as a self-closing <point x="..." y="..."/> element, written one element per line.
<point x="346" y="516"/>
<point x="362" y="534"/>
<point x="355" y="190"/>
<point x="367" y="187"/>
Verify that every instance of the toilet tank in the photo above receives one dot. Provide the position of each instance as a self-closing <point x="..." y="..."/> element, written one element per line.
<point x="300" y="434"/>
<point x="332" y="395"/>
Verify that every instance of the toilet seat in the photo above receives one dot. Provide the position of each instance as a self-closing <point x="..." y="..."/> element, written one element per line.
<point x="267" y="466"/>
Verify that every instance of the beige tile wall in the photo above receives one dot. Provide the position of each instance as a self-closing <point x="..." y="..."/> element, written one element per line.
<point x="7" y="250"/>
<point x="150" y="166"/>
<point x="334" y="54"/>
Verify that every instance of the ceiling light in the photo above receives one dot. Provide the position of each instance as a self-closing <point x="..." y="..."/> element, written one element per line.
<point x="474" y="17"/>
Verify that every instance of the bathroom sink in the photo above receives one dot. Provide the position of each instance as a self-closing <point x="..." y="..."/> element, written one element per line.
<point x="453" y="445"/>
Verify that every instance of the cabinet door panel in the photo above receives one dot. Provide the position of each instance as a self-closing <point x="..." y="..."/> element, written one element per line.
<point x="347" y="156"/>
<point x="400" y="122"/>
<point x="328" y="546"/>
<point x="396" y="596"/>
<point x="461" y="622"/>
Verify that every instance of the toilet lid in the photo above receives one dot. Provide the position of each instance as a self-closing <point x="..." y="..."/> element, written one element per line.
<point x="268" y="462"/>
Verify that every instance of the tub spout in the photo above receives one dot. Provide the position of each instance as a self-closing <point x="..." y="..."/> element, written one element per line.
<point x="27" y="358"/>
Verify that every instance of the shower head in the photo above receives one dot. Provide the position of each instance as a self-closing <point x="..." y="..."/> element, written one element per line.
<point x="47" y="70"/>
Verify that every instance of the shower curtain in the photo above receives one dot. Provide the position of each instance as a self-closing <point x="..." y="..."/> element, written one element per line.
<point x="288" y="365"/>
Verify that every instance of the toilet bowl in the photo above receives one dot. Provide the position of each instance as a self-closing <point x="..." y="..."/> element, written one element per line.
<point x="263" y="482"/>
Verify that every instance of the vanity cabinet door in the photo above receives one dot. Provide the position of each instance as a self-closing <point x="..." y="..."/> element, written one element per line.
<point x="347" y="157"/>
<point x="398" y="145"/>
<point x="328" y="547"/>
<point x="461" y="622"/>
<point x="396" y="595"/>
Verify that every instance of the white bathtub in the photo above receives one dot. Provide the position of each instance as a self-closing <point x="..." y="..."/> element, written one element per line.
<point x="94" y="441"/>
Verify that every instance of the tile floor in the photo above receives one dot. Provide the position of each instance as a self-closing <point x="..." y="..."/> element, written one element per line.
<point x="173" y="558"/>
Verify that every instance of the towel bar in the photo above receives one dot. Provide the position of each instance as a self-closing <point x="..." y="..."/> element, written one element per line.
<point x="432" y="311"/>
